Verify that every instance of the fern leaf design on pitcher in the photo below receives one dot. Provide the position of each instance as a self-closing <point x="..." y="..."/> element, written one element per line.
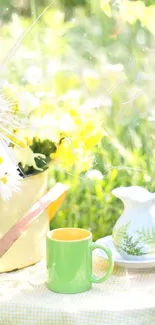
<point x="132" y="247"/>
<point x="119" y="234"/>
<point x="124" y="242"/>
<point x="147" y="236"/>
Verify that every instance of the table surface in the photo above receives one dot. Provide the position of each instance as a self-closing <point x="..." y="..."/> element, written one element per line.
<point x="127" y="298"/>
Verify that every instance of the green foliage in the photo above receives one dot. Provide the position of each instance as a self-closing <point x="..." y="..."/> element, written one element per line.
<point x="132" y="247"/>
<point x="88" y="203"/>
<point x="124" y="242"/>
<point x="101" y="59"/>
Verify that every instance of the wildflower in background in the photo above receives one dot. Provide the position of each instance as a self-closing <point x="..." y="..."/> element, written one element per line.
<point x="94" y="174"/>
<point x="81" y="129"/>
<point x="27" y="102"/>
<point x="68" y="156"/>
<point x="46" y="127"/>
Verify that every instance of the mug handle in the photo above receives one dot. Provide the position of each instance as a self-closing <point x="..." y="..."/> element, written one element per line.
<point x="110" y="266"/>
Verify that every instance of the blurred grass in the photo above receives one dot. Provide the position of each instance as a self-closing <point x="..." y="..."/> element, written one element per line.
<point x="109" y="63"/>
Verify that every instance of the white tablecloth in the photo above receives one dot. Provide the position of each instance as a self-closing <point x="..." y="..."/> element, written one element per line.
<point x="126" y="298"/>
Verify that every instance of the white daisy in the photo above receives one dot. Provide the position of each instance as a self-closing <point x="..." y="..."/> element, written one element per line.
<point x="6" y="117"/>
<point x="9" y="174"/>
<point x="9" y="120"/>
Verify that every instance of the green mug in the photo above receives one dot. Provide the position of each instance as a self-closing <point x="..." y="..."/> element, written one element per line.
<point x="69" y="260"/>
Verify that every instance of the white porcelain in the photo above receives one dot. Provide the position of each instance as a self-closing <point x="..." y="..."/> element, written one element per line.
<point x="134" y="232"/>
<point x="118" y="259"/>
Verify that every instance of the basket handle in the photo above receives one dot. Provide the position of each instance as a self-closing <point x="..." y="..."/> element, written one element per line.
<point x="52" y="200"/>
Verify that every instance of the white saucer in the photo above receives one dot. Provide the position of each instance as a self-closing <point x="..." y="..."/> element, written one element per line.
<point x="118" y="259"/>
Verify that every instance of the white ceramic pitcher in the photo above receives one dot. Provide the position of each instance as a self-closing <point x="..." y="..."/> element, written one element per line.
<point x="134" y="232"/>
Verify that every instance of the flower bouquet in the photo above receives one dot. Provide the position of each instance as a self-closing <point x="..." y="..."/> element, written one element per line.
<point x="43" y="124"/>
<point x="32" y="140"/>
